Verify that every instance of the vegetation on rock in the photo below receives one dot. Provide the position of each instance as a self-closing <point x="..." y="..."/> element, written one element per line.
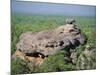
<point x="82" y="57"/>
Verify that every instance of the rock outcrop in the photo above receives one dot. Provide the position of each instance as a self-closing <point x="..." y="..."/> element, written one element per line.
<point x="37" y="46"/>
<point x="86" y="59"/>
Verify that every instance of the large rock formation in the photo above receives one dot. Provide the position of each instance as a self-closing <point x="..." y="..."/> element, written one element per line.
<point x="36" y="46"/>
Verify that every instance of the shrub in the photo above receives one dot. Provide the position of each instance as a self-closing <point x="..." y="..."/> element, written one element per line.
<point x="19" y="66"/>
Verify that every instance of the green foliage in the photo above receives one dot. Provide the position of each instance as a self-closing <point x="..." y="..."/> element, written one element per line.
<point x="54" y="63"/>
<point x="23" y="23"/>
<point x="19" y="66"/>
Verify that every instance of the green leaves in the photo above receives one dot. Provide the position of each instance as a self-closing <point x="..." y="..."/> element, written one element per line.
<point x="19" y="66"/>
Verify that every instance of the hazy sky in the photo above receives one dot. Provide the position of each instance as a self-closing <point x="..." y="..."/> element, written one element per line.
<point x="53" y="9"/>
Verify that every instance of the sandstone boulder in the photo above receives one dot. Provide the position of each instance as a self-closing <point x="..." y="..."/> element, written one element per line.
<point x="49" y="42"/>
<point x="35" y="46"/>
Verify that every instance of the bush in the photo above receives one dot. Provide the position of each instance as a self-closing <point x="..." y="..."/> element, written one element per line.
<point x="19" y="66"/>
<point x="54" y="63"/>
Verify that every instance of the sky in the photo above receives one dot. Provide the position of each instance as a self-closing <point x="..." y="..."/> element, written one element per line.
<point x="52" y="8"/>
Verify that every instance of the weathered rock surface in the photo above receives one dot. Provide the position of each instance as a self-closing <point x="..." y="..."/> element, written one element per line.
<point x="36" y="46"/>
<point x="86" y="59"/>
